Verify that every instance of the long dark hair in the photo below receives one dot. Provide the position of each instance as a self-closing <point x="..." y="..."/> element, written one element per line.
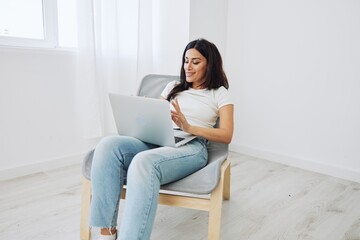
<point x="215" y="76"/>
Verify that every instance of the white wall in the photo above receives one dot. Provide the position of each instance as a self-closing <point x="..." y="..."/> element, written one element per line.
<point x="294" y="69"/>
<point x="208" y="19"/>
<point x="37" y="122"/>
<point x="166" y="27"/>
<point x="163" y="35"/>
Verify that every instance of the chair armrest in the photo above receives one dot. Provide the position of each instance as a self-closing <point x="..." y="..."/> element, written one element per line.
<point x="206" y="179"/>
<point x="86" y="165"/>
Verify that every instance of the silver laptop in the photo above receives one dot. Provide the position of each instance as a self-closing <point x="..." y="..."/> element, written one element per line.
<point x="147" y="119"/>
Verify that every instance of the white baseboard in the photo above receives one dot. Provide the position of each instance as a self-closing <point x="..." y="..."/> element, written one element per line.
<point x="10" y="173"/>
<point x="331" y="170"/>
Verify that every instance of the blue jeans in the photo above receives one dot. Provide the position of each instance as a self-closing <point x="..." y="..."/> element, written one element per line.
<point x="145" y="167"/>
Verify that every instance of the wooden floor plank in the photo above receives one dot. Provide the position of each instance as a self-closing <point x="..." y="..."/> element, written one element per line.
<point x="268" y="201"/>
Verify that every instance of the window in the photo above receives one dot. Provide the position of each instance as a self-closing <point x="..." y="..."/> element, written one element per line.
<point x="38" y="23"/>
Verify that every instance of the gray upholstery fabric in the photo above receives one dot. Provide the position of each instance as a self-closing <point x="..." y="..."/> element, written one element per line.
<point x="86" y="166"/>
<point x="203" y="181"/>
<point x="152" y="85"/>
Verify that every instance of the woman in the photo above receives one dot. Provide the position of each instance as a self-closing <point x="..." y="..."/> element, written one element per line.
<point x="196" y="102"/>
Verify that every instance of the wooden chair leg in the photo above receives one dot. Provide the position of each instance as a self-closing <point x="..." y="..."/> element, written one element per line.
<point x="222" y="191"/>
<point x="227" y="181"/>
<point x="85" y="209"/>
<point x="216" y="200"/>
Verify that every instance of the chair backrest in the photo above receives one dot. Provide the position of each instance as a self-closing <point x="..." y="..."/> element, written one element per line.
<point x="153" y="84"/>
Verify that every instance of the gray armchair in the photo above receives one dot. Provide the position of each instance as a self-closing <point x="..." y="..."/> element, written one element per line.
<point x="213" y="180"/>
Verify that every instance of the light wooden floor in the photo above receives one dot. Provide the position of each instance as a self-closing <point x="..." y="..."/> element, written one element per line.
<point x="268" y="201"/>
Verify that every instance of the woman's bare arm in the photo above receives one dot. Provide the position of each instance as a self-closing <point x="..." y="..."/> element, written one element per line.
<point x="223" y="133"/>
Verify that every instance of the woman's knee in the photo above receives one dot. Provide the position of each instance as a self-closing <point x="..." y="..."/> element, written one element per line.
<point x="111" y="145"/>
<point x="103" y="148"/>
<point x="108" y="150"/>
<point x="107" y="143"/>
<point x="142" y="166"/>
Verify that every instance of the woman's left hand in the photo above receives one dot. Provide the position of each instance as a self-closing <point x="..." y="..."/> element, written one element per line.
<point x="178" y="117"/>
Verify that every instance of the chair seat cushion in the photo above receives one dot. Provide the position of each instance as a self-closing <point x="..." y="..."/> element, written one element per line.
<point x="203" y="181"/>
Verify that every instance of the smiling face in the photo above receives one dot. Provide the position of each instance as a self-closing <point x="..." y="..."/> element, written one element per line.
<point x="195" y="68"/>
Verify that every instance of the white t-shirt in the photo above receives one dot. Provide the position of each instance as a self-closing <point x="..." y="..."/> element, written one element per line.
<point x="200" y="106"/>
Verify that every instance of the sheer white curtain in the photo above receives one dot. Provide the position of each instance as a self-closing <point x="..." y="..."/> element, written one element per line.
<point x="120" y="41"/>
<point x="106" y="60"/>
<point x="163" y="34"/>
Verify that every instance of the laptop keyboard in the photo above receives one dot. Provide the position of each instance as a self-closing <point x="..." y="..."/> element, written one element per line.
<point x="178" y="139"/>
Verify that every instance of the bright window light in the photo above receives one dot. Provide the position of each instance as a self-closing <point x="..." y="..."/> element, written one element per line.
<point x="38" y="23"/>
<point x="22" y="19"/>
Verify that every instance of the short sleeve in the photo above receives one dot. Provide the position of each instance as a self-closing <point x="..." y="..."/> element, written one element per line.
<point x="223" y="97"/>
<point x="168" y="89"/>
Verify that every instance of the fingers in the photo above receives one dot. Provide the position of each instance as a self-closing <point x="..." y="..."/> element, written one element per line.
<point x="176" y="106"/>
<point x="176" y="114"/>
